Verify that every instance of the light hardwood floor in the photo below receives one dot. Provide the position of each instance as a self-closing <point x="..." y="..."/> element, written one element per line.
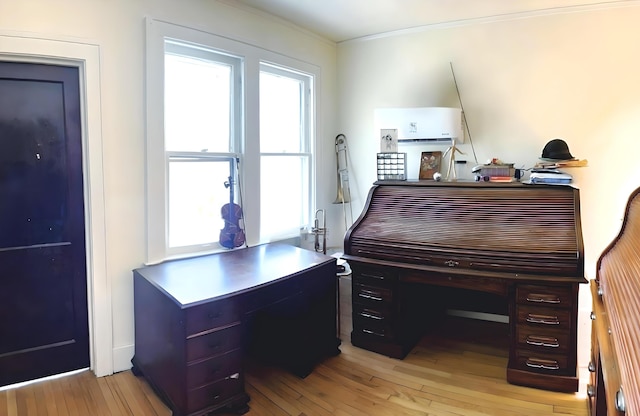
<point x="447" y="374"/>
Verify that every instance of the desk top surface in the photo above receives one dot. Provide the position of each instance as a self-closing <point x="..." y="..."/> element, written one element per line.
<point x="194" y="280"/>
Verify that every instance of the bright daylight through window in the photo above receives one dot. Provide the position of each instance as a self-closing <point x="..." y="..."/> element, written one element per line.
<point x="285" y="157"/>
<point x="199" y="142"/>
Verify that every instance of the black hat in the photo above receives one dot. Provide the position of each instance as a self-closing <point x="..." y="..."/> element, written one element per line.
<point x="556" y="149"/>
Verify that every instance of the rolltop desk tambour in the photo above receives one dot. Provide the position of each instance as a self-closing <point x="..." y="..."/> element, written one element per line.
<point x="614" y="385"/>
<point x="520" y="243"/>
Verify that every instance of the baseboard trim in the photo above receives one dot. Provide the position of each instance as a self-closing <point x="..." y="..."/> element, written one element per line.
<point x="122" y="358"/>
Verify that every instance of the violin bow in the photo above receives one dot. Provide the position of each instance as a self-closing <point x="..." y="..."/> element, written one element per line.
<point x="244" y="214"/>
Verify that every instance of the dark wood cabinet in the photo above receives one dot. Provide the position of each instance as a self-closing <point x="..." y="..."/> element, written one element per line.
<point x="196" y="320"/>
<point x="418" y="246"/>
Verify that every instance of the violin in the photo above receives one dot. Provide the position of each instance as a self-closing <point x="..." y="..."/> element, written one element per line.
<point x="232" y="235"/>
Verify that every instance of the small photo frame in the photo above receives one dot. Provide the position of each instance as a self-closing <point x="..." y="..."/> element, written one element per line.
<point x="429" y="164"/>
<point x="388" y="140"/>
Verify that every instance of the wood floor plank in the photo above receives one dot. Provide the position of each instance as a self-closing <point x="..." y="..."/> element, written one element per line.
<point x="261" y="405"/>
<point x="41" y="403"/>
<point x="12" y="405"/>
<point x="3" y="403"/>
<point x="111" y="394"/>
<point x="134" y="396"/>
<point x="114" y="404"/>
<point x="50" y="398"/>
<point x="285" y="403"/>
<point x="73" y="408"/>
<point x="152" y="398"/>
<point x="95" y="399"/>
<point x="29" y="397"/>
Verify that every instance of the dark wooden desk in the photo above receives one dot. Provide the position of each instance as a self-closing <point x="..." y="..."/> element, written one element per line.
<point x="418" y="247"/>
<point x="196" y="319"/>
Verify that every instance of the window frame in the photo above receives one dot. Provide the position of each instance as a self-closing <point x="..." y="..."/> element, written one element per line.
<point x="306" y="133"/>
<point x="246" y="134"/>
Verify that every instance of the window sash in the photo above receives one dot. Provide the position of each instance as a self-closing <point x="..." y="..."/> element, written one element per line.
<point x="297" y="180"/>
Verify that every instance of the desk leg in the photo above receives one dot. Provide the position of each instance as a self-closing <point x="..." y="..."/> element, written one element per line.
<point x="338" y="315"/>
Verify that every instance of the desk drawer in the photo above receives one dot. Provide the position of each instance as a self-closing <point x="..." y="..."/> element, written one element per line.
<point x="372" y="296"/>
<point x="215" y="393"/>
<point x="373" y="331"/>
<point x="551" y="364"/>
<point x="373" y="321"/>
<point x="271" y="294"/>
<point x="214" y="343"/>
<point x="379" y="316"/>
<point x="544" y="317"/>
<point x="214" y="369"/>
<point x="495" y="286"/>
<point x="378" y="276"/>
<point x="543" y="339"/>
<point x="211" y="315"/>
<point x="548" y="296"/>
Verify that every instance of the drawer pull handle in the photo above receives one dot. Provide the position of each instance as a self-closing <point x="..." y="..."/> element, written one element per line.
<point x="371" y="297"/>
<point x="543" y="319"/>
<point x="370" y="332"/>
<point x="539" y="341"/>
<point x="371" y="316"/>
<point x="540" y="298"/>
<point x="619" y="401"/>
<point x="544" y="364"/>
<point x="234" y="376"/>
<point x="373" y="276"/>
<point x="591" y="390"/>
<point x="591" y="367"/>
<point x="216" y="397"/>
<point x="451" y="263"/>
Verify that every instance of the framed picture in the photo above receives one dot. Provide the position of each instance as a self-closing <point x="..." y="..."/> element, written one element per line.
<point x="429" y="164"/>
<point x="388" y="140"/>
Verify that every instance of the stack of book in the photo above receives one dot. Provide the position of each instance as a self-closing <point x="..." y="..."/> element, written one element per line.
<point x="502" y="172"/>
<point x="549" y="176"/>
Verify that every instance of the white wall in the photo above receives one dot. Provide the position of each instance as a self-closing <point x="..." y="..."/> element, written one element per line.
<point x="523" y="82"/>
<point x="117" y="27"/>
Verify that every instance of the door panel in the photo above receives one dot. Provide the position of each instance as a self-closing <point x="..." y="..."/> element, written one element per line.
<point x="43" y="292"/>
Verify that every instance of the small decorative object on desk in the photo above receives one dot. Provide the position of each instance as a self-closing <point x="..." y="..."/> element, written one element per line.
<point x="388" y="140"/>
<point x="392" y="166"/>
<point x="430" y="164"/>
<point x="495" y="171"/>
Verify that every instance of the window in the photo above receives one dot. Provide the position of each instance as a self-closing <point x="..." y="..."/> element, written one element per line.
<point x="285" y="156"/>
<point x="225" y="120"/>
<point x="199" y="121"/>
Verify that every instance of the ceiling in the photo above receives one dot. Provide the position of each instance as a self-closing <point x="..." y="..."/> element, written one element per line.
<point x="342" y="20"/>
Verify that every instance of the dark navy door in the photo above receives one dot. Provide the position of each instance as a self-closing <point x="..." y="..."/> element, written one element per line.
<point x="43" y="280"/>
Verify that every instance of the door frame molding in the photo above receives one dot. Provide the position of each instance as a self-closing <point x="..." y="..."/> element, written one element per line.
<point x="86" y="57"/>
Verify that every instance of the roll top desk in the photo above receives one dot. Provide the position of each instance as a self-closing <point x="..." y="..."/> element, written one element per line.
<point x="519" y="243"/>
